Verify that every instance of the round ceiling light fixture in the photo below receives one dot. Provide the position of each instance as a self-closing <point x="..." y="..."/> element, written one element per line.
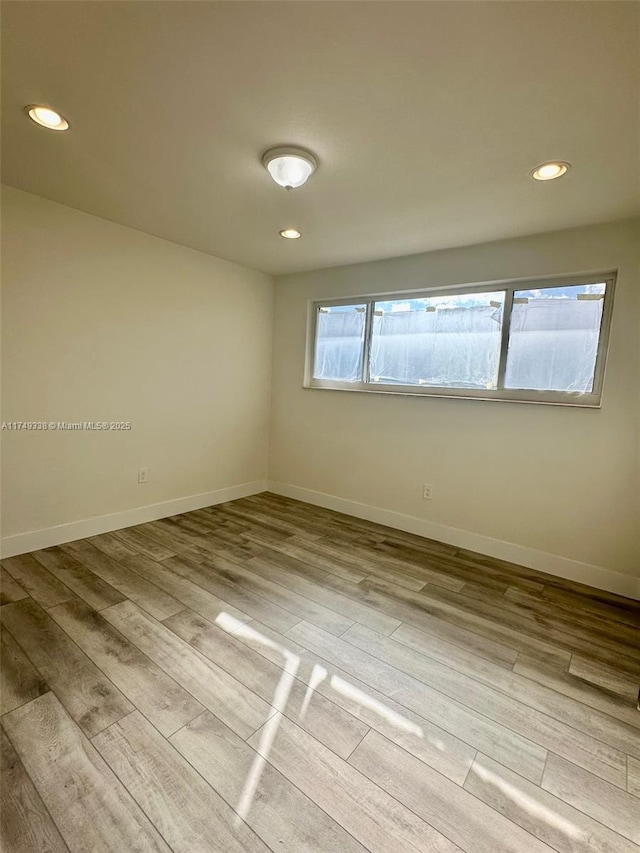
<point x="290" y="233"/>
<point x="46" y="117"/>
<point x="289" y="167"/>
<point x="551" y="170"/>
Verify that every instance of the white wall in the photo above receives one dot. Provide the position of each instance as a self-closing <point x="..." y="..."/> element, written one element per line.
<point x="101" y="322"/>
<point x="551" y="487"/>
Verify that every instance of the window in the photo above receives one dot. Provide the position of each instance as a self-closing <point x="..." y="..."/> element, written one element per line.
<point x="443" y="342"/>
<point x="339" y="342"/>
<point x="536" y="341"/>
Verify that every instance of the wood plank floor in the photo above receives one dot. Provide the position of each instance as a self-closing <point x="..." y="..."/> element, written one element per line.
<point x="265" y="675"/>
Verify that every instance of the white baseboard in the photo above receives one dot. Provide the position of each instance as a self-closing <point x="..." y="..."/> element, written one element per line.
<point x="542" y="561"/>
<point x="552" y="564"/>
<point x="33" y="540"/>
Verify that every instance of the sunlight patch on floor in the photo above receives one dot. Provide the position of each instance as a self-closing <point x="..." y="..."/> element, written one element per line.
<point x="318" y="675"/>
<point x="267" y="735"/>
<point x="278" y="703"/>
<point x="290" y="665"/>
<point x="391" y="716"/>
<point x="536" y="809"/>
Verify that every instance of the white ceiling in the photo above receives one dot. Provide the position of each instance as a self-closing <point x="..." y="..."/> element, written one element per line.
<point x="426" y="118"/>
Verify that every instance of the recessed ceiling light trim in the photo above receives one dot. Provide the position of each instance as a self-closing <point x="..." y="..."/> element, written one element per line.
<point x="290" y="233"/>
<point x="46" y="117"/>
<point x="289" y="167"/>
<point x="550" y="170"/>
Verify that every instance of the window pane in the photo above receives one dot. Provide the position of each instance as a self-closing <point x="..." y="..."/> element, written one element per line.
<point x="340" y="342"/>
<point x="441" y="341"/>
<point x="553" y="338"/>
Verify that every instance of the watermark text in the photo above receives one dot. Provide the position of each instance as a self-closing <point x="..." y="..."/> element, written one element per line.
<point x="66" y="426"/>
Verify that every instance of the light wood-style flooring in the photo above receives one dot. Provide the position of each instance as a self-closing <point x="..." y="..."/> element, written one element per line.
<point x="265" y="675"/>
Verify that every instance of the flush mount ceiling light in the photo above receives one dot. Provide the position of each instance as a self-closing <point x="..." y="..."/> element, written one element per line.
<point x="549" y="171"/>
<point x="46" y="117"/>
<point x="289" y="167"/>
<point x="290" y="233"/>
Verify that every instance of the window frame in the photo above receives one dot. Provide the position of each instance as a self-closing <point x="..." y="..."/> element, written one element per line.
<point x="592" y="399"/>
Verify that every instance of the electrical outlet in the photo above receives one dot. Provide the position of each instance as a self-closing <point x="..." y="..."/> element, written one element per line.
<point x="427" y="491"/>
<point x="142" y="475"/>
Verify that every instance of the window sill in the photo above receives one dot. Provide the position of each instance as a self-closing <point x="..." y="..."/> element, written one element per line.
<point x="545" y="398"/>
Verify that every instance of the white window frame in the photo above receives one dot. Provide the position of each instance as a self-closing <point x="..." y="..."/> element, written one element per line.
<point x="553" y="398"/>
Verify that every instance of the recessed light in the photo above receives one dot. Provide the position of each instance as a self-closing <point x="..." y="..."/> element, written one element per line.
<point x="290" y="234"/>
<point x="289" y="167"/>
<point x="549" y="171"/>
<point x="46" y="117"/>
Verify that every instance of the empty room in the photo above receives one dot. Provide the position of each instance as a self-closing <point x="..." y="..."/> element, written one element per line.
<point x="320" y="427"/>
